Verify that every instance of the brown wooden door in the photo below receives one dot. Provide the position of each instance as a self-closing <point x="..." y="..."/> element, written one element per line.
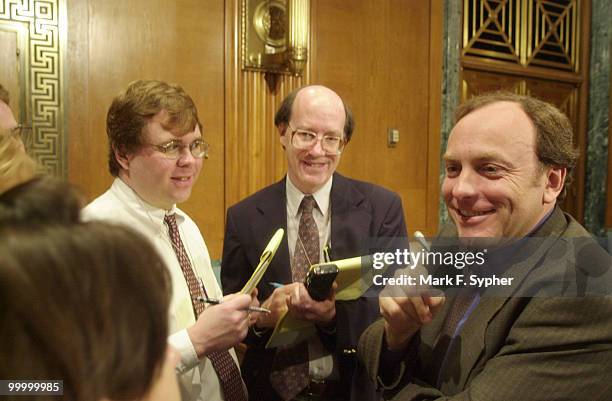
<point x="384" y="58"/>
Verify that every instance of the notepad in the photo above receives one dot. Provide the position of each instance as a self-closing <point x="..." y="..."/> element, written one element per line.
<point x="353" y="279"/>
<point x="264" y="262"/>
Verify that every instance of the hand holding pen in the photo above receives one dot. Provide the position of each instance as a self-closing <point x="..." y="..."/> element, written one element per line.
<point x="214" y="301"/>
<point x="223" y="326"/>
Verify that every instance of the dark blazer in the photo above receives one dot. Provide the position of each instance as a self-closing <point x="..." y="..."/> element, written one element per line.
<point x="359" y="212"/>
<point x="555" y="344"/>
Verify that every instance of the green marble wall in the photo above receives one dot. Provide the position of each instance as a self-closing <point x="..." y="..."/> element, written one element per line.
<point x="599" y="108"/>
<point x="450" y="80"/>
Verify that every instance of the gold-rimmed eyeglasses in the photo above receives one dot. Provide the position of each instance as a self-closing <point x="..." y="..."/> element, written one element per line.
<point x="23" y="132"/>
<point x="331" y="143"/>
<point x="174" y="148"/>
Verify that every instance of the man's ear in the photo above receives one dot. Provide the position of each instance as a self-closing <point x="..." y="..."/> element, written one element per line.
<point x="282" y="130"/>
<point x="122" y="158"/>
<point x="555" y="179"/>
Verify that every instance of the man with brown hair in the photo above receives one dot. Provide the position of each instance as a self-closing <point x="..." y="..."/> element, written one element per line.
<point x="546" y="337"/>
<point x="156" y="152"/>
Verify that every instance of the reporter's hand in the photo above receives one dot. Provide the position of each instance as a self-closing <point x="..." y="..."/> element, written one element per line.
<point x="277" y="304"/>
<point x="404" y="316"/>
<point x="254" y="302"/>
<point x="221" y="326"/>
<point x="302" y="306"/>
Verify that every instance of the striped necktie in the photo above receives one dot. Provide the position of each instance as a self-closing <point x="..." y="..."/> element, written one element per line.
<point x="223" y="363"/>
<point x="290" y="369"/>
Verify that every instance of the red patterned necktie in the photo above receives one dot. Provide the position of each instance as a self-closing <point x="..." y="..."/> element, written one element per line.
<point x="290" y="370"/>
<point x="223" y="363"/>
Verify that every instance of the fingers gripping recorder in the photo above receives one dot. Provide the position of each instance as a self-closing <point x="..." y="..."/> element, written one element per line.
<point x="319" y="280"/>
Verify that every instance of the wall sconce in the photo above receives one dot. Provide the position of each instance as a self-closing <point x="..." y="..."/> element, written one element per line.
<point x="275" y="36"/>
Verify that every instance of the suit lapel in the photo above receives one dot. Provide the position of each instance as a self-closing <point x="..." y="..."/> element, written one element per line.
<point x="350" y="219"/>
<point x="271" y="214"/>
<point x="469" y="345"/>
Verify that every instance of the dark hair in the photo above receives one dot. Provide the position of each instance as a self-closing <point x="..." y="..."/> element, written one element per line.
<point x="554" y="134"/>
<point x="41" y="200"/>
<point x="283" y="114"/>
<point x="132" y="109"/>
<point x="84" y="303"/>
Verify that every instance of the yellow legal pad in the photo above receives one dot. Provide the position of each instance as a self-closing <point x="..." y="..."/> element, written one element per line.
<point x="352" y="280"/>
<point x="264" y="261"/>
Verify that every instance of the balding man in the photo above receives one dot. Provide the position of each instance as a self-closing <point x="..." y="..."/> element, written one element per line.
<point x="545" y="337"/>
<point x="319" y="209"/>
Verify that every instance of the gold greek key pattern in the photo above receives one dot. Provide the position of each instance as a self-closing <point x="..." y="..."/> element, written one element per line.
<point x="42" y="87"/>
<point x="541" y="33"/>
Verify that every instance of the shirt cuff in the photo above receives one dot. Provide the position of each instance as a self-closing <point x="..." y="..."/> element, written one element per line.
<point x="182" y="343"/>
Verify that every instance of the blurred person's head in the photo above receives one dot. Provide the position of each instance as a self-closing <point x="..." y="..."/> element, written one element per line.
<point x="15" y="165"/>
<point x="507" y="163"/>
<point x="7" y="119"/>
<point x="314" y="126"/>
<point x="87" y="304"/>
<point x="155" y="141"/>
<point x="41" y="200"/>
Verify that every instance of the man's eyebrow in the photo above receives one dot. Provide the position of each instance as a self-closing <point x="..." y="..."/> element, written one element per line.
<point x="448" y="157"/>
<point x="334" y="133"/>
<point x="482" y="157"/>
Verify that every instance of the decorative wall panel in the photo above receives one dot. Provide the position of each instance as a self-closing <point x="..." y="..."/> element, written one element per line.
<point x="253" y="153"/>
<point x="525" y="32"/>
<point x="41" y="84"/>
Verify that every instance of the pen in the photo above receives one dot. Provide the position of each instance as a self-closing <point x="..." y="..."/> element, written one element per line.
<point x="275" y="284"/>
<point x="326" y="250"/>
<point x="421" y="238"/>
<point x="213" y="301"/>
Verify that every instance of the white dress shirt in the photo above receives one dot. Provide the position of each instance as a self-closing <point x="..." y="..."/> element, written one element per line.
<point x="321" y="364"/>
<point x="120" y="204"/>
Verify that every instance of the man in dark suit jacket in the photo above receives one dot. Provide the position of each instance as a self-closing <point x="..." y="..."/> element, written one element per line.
<point x="548" y="336"/>
<point x="354" y="218"/>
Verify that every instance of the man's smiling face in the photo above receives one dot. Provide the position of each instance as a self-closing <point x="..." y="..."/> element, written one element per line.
<point x="319" y="110"/>
<point x="494" y="184"/>
<point x="160" y="181"/>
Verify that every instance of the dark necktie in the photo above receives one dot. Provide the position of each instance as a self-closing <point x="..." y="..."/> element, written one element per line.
<point x="223" y="363"/>
<point x="457" y="310"/>
<point x="446" y="341"/>
<point x="290" y="370"/>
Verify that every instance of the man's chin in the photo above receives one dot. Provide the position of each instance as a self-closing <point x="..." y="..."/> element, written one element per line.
<point x="182" y="197"/>
<point x="311" y="183"/>
<point x="477" y="232"/>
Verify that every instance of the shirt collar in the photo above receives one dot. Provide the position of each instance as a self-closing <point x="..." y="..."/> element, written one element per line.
<point x="541" y="222"/>
<point x="155" y="214"/>
<point x="295" y="196"/>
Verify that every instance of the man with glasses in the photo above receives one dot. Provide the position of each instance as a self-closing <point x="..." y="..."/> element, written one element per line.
<point x="323" y="213"/>
<point x="156" y="151"/>
<point x="15" y="165"/>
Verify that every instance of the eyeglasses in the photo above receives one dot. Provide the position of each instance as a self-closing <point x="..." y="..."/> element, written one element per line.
<point x="23" y="132"/>
<point x="174" y="148"/>
<point x="301" y="139"/>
